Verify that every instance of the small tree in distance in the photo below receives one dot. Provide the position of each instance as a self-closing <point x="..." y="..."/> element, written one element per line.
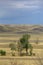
<point x="20" y="48"/>
<point x="13" y="47"/>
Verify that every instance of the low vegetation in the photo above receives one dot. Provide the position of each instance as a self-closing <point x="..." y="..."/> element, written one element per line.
<point x="13" y="47"/>
<point x="2" y="52"/>
<point x="22" y="44"/>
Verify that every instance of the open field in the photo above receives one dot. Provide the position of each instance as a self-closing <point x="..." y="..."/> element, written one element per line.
<point x="12" y="37"/>
<point x="21" y="61"/>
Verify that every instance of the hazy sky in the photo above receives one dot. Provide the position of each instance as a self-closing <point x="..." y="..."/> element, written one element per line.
<point x="21" y="11"/>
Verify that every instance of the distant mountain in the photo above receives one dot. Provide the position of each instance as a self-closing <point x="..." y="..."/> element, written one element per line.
<point x="19" y="29"/>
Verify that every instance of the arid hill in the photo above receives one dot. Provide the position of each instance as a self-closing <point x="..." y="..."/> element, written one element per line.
<point x="19" y="29"/>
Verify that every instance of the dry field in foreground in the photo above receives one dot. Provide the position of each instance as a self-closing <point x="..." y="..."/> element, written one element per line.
<point x="22" y="60"/>
<point x="5" y="39"/>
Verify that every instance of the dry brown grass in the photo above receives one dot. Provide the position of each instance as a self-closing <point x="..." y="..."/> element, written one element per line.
<point x="18" y="61"/>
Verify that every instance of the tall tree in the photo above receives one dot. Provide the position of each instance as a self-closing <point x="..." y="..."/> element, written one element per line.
<point x="25" y="42"/>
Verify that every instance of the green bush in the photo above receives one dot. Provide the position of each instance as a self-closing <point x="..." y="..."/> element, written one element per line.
<point x="2" y="52"/>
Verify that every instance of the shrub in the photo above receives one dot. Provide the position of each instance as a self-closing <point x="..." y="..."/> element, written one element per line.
<point x="2" y="52"/>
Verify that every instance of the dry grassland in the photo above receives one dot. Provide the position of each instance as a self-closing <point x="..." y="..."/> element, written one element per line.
<point x="6" y="39"/>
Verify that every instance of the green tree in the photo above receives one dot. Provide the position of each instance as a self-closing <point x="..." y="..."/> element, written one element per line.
<point x="25" y="42"/>
<point x="13" y="47"/>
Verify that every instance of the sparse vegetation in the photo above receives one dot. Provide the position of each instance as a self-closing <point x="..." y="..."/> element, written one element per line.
<point x="13" y="47"/>
<point x="24" y="44"/>
<point x="2" y="52"/>
<point x="31" y="49"/>
<point x="37" y="41"/>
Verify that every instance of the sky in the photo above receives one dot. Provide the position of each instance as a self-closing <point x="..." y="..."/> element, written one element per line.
<point x="21" y="11"/>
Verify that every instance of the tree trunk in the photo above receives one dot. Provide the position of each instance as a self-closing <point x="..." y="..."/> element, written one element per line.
<point x="26" y="51"/>
<point x="13" y="54"/>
